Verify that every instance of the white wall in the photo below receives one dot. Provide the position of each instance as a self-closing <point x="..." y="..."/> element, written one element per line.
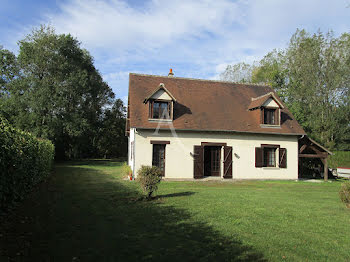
<point x="179" y="162"/>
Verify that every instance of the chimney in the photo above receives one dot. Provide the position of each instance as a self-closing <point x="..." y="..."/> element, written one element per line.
<point x="171" y="73"/>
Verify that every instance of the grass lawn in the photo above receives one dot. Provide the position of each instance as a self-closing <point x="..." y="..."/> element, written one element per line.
<point x="86" y="212"/>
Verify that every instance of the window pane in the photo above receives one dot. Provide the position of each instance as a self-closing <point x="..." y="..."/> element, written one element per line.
<point x="155" y="110"/>
<point x="270" y="157"/>
<point x="269" y="116"/>
<point x="164" y="110"/>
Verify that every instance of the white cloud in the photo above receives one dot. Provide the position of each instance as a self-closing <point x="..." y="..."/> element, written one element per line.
<point x="118" y="25"/>
<point x="198" y="38"/>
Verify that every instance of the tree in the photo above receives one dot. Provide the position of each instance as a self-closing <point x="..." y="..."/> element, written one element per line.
<point x="240" y="72"/>
<point x="8" y="72"/>
<point x="113" y="129"/>
<point x="59" y="94"/>
<point x="312" y="76"/>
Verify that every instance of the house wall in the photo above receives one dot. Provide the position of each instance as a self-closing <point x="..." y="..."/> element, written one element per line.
<point x="179" y="162"/>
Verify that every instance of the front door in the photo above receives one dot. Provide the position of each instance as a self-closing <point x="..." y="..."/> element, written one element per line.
<point x="212" y="157"/>
<point x="158" y="158"/>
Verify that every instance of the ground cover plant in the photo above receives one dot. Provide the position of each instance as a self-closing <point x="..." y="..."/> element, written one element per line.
<point x="87" y="212"/>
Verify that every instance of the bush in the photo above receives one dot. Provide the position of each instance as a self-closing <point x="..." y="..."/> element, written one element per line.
<point x="126" y="170"/>
<point x="24" y="161"/>
<point x="345" y="193"/>
<point x="149" y="178"/>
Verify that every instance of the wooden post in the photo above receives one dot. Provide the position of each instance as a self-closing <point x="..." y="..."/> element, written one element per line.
<point x="325" y="169"/>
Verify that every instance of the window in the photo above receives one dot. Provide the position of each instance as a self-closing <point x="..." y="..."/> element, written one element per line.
<point x="269" y="157"/>
<point x="158" y="158"/>
<point x="269" y="116"/>
<point x="160" y="110"/>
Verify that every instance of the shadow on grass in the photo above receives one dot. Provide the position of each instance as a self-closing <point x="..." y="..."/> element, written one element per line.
<point x="189" y="193"/>
<point x="81" y="214"/>
<point x="94" y="162"/>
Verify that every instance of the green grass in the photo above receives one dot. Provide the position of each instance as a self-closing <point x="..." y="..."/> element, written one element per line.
<point x="86" y="212"/>
<point x="339" y="159"/>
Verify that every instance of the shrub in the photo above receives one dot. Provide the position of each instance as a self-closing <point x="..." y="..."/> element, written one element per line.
<point x="345" y="193"/>
<point x="149" y="178"/>
<point x="24" y="161"/>
<point x="126" y="170"/>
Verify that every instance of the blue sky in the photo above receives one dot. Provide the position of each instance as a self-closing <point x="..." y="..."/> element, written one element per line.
<point x="197" y="38"/>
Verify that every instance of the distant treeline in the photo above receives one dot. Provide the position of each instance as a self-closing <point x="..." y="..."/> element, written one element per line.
<point x="53" y="90"/>
<point x="312" y="76"/>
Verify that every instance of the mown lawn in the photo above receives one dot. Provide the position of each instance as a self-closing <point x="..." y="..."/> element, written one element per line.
<point x="86" y="212"/>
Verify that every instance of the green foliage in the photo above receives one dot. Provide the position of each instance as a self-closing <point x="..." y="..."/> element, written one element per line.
<point x="113" y="127"/>
<point x="344" y="193"/>
<point x="149" y="177"/>
<point x="58" y="94"/>
<point x="126" y="169"/>
<point x="339" y="159"/>
<point x="241" y="72"/>
<point x="24" y="161"/>
<point x="8" y="70"/>
<point x="312" y="76"/>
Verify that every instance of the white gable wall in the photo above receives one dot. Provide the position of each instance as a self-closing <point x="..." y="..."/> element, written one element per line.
<point x="179" y="162"/>
<point x="161" y="94"/>
<point x="271" y="103"/>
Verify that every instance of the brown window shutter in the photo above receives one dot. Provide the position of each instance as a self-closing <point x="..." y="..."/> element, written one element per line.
<point x="198" y="171"/>
<point x="227" y="161"/>
<point x="258" y="157"/>
<point x="283" y="158"/>
<point x="277" y="116"/>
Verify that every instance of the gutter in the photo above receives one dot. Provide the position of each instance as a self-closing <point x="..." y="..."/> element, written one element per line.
<point x="222" y="131"/>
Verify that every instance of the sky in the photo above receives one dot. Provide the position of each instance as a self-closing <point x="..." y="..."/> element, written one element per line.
<point x="196" y="38"/>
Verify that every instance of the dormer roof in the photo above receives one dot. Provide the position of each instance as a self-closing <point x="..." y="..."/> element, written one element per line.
<point x="260" y="101"/>
<point x="161" y="87"/>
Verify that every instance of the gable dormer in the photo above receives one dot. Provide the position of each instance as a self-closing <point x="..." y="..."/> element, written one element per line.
<point x="161" y="104"/>
<point x="270" y="109"/>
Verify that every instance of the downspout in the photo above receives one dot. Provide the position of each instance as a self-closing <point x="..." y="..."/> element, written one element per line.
<point x="134" y="154"/>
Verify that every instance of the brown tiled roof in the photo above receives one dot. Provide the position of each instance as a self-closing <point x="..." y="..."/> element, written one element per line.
<point x="205" y="105"/>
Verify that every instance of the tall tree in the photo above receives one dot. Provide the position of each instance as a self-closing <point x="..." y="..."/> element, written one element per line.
<point x="59" y="94"/>
<point x="240" y="72"/>
<point x="113" y="129"/>
<point x="8" y="70"/>
<point x="312" y="75"/>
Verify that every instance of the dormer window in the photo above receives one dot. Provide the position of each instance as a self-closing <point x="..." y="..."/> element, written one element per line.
<point x="160" y="109"/>
<point x="161" y="104"/>
<point x="270" y="116"/>
<point x="270" y="108"/>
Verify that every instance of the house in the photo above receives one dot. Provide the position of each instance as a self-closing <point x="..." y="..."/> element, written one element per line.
<point x="193" y="128"/>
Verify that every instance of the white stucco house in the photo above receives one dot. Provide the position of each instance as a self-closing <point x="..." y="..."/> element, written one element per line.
<point x="192" y="128"/>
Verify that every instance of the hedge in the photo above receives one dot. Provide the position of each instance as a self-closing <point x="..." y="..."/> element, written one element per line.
<point x="24" y="161"/>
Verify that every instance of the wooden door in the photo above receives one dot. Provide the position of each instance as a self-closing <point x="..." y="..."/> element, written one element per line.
<point x="159" y="157"/>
